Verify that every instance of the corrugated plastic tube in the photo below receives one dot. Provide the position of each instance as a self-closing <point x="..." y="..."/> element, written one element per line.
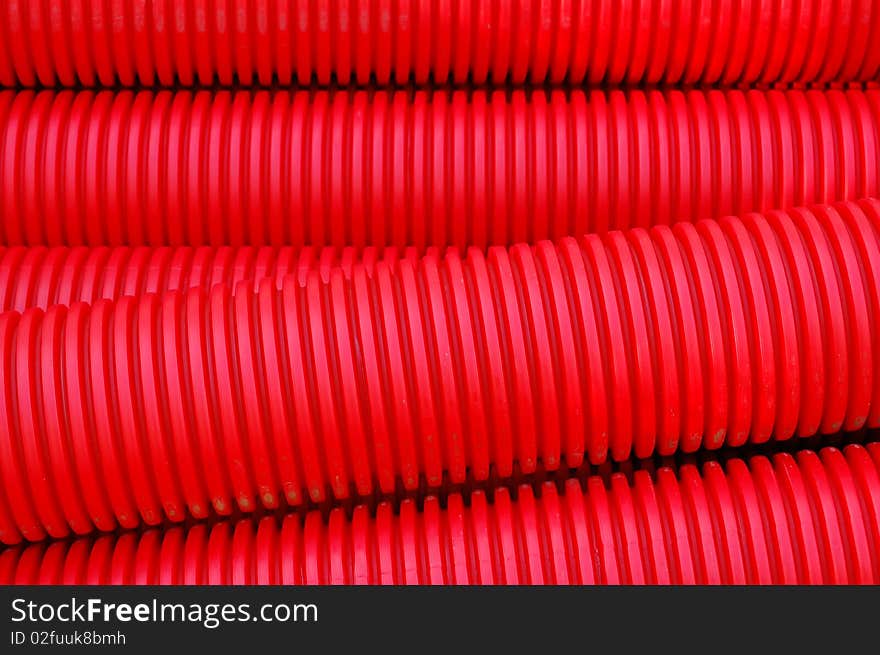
<point x="806" y="518"/>
<point x="171" y="42"/>
<point x="418" y="168"/>
<point x="429" y="371"/>
<point x="42" y="277"/>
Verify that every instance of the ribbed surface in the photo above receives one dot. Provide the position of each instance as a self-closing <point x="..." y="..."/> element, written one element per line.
<point x="801" y="519"/>
<point x="42" y="277"/>
<point x="428" y="370"/>
<point x="416" y="169"/>
<point x="246" y="41"/>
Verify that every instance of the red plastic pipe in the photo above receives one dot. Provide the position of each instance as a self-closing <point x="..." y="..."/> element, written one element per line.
<point x="146" y="42"/>
<point x="439" y="370"/>
<point x="787" y="519"/>
<point x="416" y="168"/>
<point x="42" y="277"/>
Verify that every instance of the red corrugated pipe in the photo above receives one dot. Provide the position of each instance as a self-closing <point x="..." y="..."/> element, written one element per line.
<point x="805" y="518"/>
<point x="145" y="42"/>
<point x="42" y="277"/>
<point x="423" y="370"/>
<point x="416" y="168"/>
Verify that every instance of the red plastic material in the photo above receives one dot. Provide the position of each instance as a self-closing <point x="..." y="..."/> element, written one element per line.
<point x="436" y="370"/>
<point x="786" y="519"/>
<point x="42" y="277"/>
<point x="416" y="168"/>
<point x="257" y="41"/>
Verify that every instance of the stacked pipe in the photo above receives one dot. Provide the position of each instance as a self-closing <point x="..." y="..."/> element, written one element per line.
<point x="343" y="335"/>
<point x="171" y="42"/>
<point x="731" y="331"/>
<point x="43" y="277"/>
<point x="805" y="519"/>
<point x="417" y="169"/>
